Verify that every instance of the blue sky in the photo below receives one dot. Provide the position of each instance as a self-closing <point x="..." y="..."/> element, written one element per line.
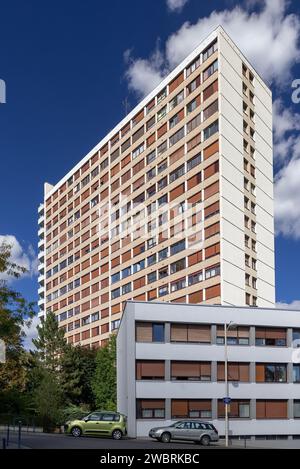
<point x="69" y="65"/>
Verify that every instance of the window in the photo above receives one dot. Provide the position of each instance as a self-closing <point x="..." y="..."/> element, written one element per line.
<point x="152" y="277"/>
<point x="210" y="70"/>
<point x="173" y="121"/>
<point x="146" y="369"/>
<point x="161" y="113"/>
<point x="181" y="408"/>
<point x="191" y="371"/>
<point x="151" y="157"/>
<point x="151" y="174"/>
<point x="162" y="183"/>
<point x="176" y="174"/>
<point x="210" y="110"/>
<point x="94" y="317"/>
<point x="163" y="200"/>
<point x="195" y="278"/>
<point x="176" y="100"/>
<point x="210" y="130"/>
<point x="193" y="162"/>
<point x="95" y="172"/>
<point x="115" y="277"/>
<point x="150" y="332"/>
<point x="198" y="333"/>
<point x="193" y="66"/>
<point x="275" y="337"/>
<point x="63" y="316"/>
<point x="176" y="137"/>
<point x="126" y="272"/>
<point x="191" y="106"/>
<point x="151" y="260"/>
<point x="115" y="324"/>
<point x="162" y="148"/>
<point x="209" y="50"/>
<point x="270" y="373"/>
<point x="212" y="271"/>
<point x="296" y="338"/>
<point x="237" y="336"/>
<point x="178" y="285"/>
<point x="85" y="181"/>
<point x="178" y="265"/>
<point x="85" y="320"/>
<point x="161" y="95"/>
<point x="163" y="290"/>
<point x="177" y="247"/>
<point x="297" y="409"/>
<point x="138" y="151"/>
<point x="192" y="124"/>
<point x="126" y="288"/>
<point x="193" y="85"/>
<point x="150" y="409"/>
<point x="163" y="254"/>
<point x="238" y="409"/>
<point x="150" y="123"/>
<point x="162" y="166"/>
<point x="138" y="266"/>
<point x="115" y="293"/>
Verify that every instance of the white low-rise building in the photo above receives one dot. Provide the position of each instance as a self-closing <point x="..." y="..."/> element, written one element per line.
<point x="171" y="362"/>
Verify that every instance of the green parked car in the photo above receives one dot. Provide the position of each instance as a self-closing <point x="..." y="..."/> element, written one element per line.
<point x="101" y="423"/>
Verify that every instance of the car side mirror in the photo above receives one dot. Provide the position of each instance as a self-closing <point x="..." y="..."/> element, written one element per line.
<point x="86" y="419"/>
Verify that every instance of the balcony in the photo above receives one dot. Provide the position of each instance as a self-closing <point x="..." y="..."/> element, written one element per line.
<point x="41" y="243"/>
<point x="41" y="232"/>
<point x="41" y="209"/>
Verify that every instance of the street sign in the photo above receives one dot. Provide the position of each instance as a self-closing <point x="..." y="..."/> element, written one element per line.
<point x="226" y="400"/>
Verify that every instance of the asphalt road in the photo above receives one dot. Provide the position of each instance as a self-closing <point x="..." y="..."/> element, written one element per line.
<point x="57" y="441"/>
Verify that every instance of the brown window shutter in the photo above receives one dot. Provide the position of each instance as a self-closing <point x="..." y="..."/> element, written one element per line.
<point x="185" y="369"/>
<point x="181" y="299"/>
<point x="212" y="230"/>
<point x="104" y="268"/>
<point x="138" y="167"/>
<point x="104" y="298"/>
<point x="143" y="332"/>
<point x="196" y="297"/>
<point x="179" y="332"/>
<point x="139" y="283"/>
<point x="210" y="90"/>
<point x="260" y="373"/>
<point x="195" y="199"/>
<point x="125" y="129"/>
<point x="138" y="117"/>
<point x="162" y="130"/>
<point x="125" y="177"/>
<point x="179" y="190"/>
<point x="116" y="309"/>
<point x="176" y="82"/>
<point x="95" y="273"/>
<point x="105" y="313"/>
<point x="115" y="185"/>
<point x="244" y="372"/>
<point x="176" y="155"/>
<point x="211" y="209"/>
<point x="211" y="170"/>
<point x="151" y="139"/>
<point x="195" y="258"/>
<point x="179" y="408"/>
<point x="194" y="181"/>
<point x="152" y="294"/>
<point x="95" y="287"/>
<point x="105" y="282"/>
<point x="199" y="333"/>
<point x="213" y="292"/>
<point x="194" y="142"/>
<point x="212" y="250"/>
<point x="211" y="190"/>
<point x="95" y="302"/>
<point x="138" y="249"/>
<point x="115" y="261"/>
<point x="126" y="256"/>
<point x="141" y="297"/>
<point x="104" y="328"/>
<point x="85" y="306"/>
<point x="276" y="409"/>
<point x="211" y="150"/>
<point x="149" y="369"/>
<point x="220" y="372"/>
<point x="125" y="161"/>
<point x="85" y="278"/>
<point x="95" y="331"/>
<point x="138" y="183"/>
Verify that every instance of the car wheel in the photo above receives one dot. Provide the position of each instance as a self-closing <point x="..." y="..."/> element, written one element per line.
<point x="165" y="437"/>
<point x="76" y="431"/>
<point x="205" y="440"/>
<point x="117" y="435"/>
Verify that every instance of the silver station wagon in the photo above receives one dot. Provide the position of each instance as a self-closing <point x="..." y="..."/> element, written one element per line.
<point x="198" y="431"/>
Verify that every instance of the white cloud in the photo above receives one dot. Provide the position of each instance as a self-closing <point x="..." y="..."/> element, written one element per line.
<point x="287" y="200"/>
<point x="176" y="5"/>
<point x="30" y="333"/>
<point x="262" y="36"/>
<point x="24" y="257"/>
<point x="293" y="305"/>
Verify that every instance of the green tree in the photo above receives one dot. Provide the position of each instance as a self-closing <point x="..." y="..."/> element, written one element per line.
<point x="15" y="312"/>
<point x="76" y="373"/>
<point x="104" y="383"/>
<point x="50" y="343"/>
<point x="48" y="400"/>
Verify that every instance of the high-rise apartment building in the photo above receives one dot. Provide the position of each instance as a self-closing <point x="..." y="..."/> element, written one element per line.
<point x="175" y="203"/>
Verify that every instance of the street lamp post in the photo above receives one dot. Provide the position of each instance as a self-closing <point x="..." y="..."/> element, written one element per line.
<point x="226" y="328"/>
